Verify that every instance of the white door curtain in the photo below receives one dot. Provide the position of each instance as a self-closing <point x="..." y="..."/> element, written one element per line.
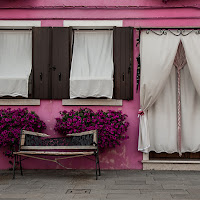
<point x="163" y="127"/>
<point x="92" y="64"/>
<point x="15" y="62"/>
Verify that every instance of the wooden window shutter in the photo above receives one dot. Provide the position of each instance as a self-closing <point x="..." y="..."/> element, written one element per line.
<point x="61" y="62"/>
<point x="41" y="62"/>
<point x="123" y="62"/>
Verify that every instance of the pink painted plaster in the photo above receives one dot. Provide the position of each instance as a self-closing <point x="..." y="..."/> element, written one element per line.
<point x="136" y="13"/>
<point x="63" y="3"/>
<point x="52" y="23"/>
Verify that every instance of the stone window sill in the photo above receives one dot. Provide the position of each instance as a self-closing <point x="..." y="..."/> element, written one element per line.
<point x="19" y="102"/>
<point x="171" y="161"/>
<point x="185" y="164"/>
<point x="91" y="102"/>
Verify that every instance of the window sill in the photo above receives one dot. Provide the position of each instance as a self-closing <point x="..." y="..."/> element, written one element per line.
<point x="184" y="161"/>
<point x="91" y="102"/>
<point x="19" y="102"/>
<point x="171" y="165"/>
<point x="185" y="164"/>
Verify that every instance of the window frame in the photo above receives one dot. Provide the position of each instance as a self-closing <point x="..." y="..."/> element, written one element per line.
<point x="19" y="24"/>
<point x="92" y="24"/>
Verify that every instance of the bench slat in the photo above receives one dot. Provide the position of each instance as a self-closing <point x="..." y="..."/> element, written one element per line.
<point x="52" y="153"/>
<point x="57" y="147"/>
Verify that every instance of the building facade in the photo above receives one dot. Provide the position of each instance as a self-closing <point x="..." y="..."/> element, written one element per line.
<point x="16" y="14"/>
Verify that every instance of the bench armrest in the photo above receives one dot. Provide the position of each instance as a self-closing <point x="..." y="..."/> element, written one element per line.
<point x="24" y="132"/>
<point x="82" y="133"/>
<point x="94" y="132"/>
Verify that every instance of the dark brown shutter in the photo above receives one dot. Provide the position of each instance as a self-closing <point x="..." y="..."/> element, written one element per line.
<point x="30" y="86"/>
<point x="61" y="62"/>
<point x="123" y="62"/>
<point x="41" y="62"/>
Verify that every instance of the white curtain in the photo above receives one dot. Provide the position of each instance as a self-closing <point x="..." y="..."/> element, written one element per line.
<point x="157" y="57"/>
<point x="190" y="106"/>
<point x="190" y="87"/>
<point x="191" y="45"/>
<point x="15" y="62"/>
<point x="162" y="118"/>
<point x="92" y="64"/>
<point x="161" y="126"/>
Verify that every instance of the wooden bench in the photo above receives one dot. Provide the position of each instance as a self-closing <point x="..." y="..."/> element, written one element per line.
<point x="40" y="145"/>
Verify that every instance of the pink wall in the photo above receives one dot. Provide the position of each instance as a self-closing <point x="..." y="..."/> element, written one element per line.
<point x="136" y="13"/>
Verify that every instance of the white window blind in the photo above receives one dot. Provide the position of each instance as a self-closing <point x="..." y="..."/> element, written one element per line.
<point x="15" y="62"/>
<point x="92" y="64"/>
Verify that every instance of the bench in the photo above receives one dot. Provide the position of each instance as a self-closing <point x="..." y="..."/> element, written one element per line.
<point x="40" y="146"/>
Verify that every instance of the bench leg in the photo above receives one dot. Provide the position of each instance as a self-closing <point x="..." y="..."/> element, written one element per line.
<point x="98" y="164"/>
<point x="20" y="162"/>
<point x="14" y="166"/>
<point x="96" y="158"/>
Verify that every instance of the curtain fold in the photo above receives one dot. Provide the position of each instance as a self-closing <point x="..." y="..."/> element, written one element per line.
<point x="92" y="64"/>
<point x="190" y="105"/>
<point x="15" y="62"/>
<point x="157" y="57"/>
<point x="190" y="86"/>
<point x="191" y="45"/>
<point x="162" y="118"/>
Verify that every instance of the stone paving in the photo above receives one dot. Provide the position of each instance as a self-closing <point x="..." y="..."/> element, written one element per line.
<point x="81" y="184"/>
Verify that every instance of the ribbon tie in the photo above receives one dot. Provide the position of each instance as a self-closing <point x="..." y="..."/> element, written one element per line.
<point x="140" y="113"/>
<point x="179" y="62"/>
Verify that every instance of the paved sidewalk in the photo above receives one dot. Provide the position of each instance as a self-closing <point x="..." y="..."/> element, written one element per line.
<point x="81" y="184"/>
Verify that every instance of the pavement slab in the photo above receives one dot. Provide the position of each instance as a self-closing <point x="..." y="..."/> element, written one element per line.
<point x="113" y="184"/>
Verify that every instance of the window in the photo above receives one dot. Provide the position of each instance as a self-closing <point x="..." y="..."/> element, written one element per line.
<point x="52" y="56"/>
<point x="15" y="62"/>
<point x="92" y="66"/>
<point x="21" y="59"/>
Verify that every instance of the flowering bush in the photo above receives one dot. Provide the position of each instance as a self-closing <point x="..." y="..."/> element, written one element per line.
<point x="11" y="123"/>
<point x="111" y="125"/>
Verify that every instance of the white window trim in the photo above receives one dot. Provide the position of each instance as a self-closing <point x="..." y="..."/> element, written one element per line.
<point x="19" y="24"/>
<point x="93" y="23"/>
<point x="88" y="24"/>
<point x="91" y="102"/>
<point x="169" y="164"/>
<point x="19" y="102"/>
<point x="23" y="24"/>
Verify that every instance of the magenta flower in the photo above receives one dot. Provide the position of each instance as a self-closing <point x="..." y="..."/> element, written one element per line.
<point x="12" y="121"/>
<point x="111" y="125"/>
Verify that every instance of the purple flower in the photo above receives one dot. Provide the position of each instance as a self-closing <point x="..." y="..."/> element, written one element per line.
<point x="12" y="121"/>
<point x="111" y="125"/>
<point x="7" y="120"/>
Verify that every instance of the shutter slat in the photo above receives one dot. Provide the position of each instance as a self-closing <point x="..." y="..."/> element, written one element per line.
<point x="41" y="62"/>
<point x="123" y="63"/>
<point x="117" y="63"/>
<point x="61" y="62"/>
<point x="123" y="60"/>
<point x="129" y="63"/>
